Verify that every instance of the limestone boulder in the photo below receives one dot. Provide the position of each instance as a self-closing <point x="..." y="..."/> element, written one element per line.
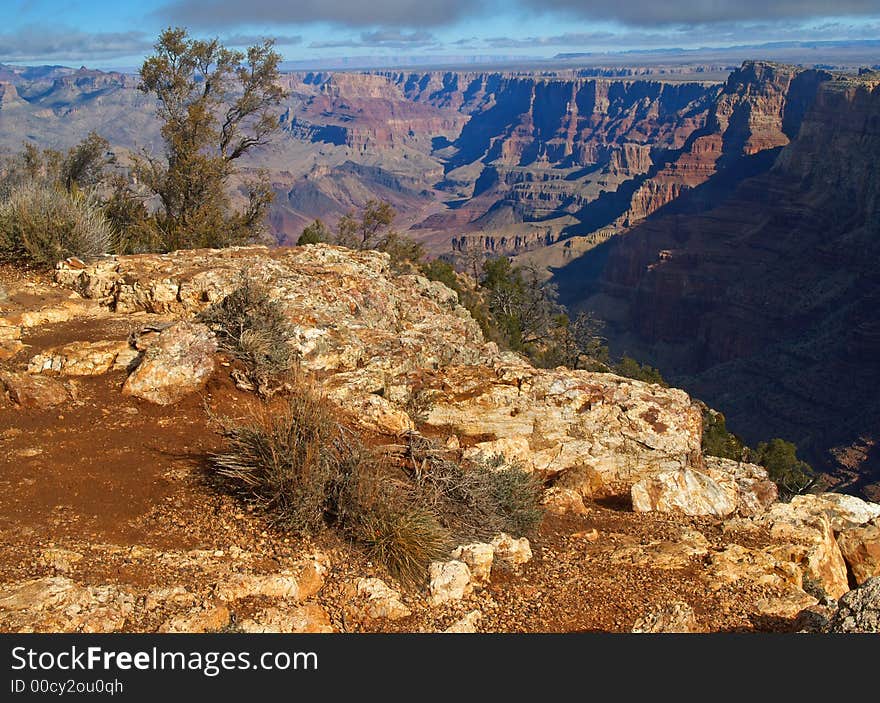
<point x="860" y="547"/>
<point x="449" y="581"/>
<point x="479" y="557"/>
<point x="510" y="551"/>
<point x="755" y="492"/>
<point x="29" y="391"/>
<point x="376" y="600"/>
<point x="684" y="491"/>
<point x="564" y="501"/>
<point x="178" y="363"/>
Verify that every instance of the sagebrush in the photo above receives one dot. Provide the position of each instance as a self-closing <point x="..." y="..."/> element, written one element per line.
<point x="252" y="327"/>
<point x="42" y="225"/>
<point x="295" y="459"/>
<point x="298" y="459"/>
<point x="285" y="458"/>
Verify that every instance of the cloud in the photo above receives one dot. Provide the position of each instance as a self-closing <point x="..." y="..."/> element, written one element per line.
<point x="718" y="35"/>
<point x="645" y="13"/>
<point x="213" y="14"/>
<point x="34" y="43"/>
<point x="383" y="38"/>
<point x="252" y="39"/>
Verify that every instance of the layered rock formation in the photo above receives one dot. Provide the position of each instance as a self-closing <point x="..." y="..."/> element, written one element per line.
<point x="765" y="305"/>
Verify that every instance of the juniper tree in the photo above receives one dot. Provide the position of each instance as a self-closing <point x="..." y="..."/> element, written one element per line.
<point x="216" y="105"/>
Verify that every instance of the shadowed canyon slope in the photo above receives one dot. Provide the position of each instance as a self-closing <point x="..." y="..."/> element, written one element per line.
<point x="764" y="302"/>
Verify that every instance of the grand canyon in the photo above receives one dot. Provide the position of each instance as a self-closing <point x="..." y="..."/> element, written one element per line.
<point x="721" y="219"/>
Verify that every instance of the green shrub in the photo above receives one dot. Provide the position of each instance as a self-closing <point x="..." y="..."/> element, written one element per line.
<point x="42" y="225"/>
<point x="779" y="457"/>
<point x="442" y="271"/>
<point x="631" y="368"/>
<point x="315" y="233"/>
<point x="717" y="441"/>
<point x="253" y="328"/>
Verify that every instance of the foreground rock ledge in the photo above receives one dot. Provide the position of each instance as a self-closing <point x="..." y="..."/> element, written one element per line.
<point x="384" y="342"/>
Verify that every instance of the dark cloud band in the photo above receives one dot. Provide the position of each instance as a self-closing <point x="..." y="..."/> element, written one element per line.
<point x="643" y="13"/>
<point x="38" y="44"/>
<point x="213" y="14"/>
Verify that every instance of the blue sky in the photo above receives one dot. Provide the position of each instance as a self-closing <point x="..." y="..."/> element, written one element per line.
<point x="102" y="33"/>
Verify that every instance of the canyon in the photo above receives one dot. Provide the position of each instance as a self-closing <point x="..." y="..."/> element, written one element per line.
<point x="721" y="219"/>
<point x="760" y="295"/>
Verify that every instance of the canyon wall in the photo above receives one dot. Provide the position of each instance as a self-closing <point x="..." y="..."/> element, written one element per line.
<point x="767" y="304"/>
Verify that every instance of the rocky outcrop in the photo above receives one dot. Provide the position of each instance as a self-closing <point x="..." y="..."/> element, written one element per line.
<point x="179" y="362"/>
<point x="400" y="356"/>
<point x="28" y="391"/>
<point x="603" y="432"/>
<point x="380" y="341"/>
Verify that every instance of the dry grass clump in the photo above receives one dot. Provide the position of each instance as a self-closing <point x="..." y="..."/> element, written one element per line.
<point x="41" y="224"/>
<point x="285" y="458"/>
<point x="299" y="462"/>
<point x="379" y="508"/>
<point x="297" y="459"/>
<point x="479" y="499"/>
<point x="253" y="328"/>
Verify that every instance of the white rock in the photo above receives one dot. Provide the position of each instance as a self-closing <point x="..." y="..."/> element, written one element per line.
<point x="511" y="551"/>
<point x="479" y="557"/>
<point x="684" y="491"/>
<point x="449" y="580"/>
<point x="381" y="601"/>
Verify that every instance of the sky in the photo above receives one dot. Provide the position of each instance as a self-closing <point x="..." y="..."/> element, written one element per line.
<point x="119" y="33"/>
